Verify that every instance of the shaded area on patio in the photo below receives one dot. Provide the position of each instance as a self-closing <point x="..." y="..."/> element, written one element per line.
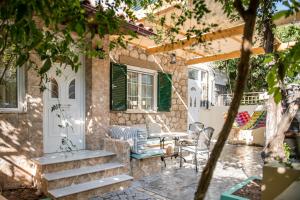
<point x="236" y="164"/>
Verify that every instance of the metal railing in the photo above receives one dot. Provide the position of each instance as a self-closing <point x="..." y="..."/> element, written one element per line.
<point x="249" y="98"/>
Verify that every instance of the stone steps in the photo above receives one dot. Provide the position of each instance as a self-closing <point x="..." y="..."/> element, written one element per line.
<point x="80" y="174"/>
<point x="71" y="160"/>
<point x="80" y="171"/>
<point x="70" y="192"/>
<point x="63" y="157"/>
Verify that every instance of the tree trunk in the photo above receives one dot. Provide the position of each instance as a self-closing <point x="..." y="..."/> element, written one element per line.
<point x="273" y="118"/>
<point x="274" y="135"/>
<point x="249" y="16"/>
<point x="274" y="149"/>
<point x="273" y="109"/>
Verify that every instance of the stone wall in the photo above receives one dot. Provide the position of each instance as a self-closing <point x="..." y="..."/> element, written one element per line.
<point x="145" y="167"/>
<point x="21" y="134"/>
<point x="176" y="119"/>
<point x="97" y="99"/>
<point x="21" y="137"/>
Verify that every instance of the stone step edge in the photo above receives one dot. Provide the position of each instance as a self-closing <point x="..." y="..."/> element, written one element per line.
<point x="57" y="158"/>
<point x="81" y="171"/>
<point x="82" y="187"/>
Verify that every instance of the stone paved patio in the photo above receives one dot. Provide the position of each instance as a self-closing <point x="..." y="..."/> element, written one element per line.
<point x="236" y="163"/>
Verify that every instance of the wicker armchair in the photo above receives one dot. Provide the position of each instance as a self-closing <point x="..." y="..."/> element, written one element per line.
<point x="198" y="144"/>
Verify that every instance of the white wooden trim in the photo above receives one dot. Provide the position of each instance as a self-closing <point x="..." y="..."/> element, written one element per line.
<point x="83" y="107"/>
<point x="22" y="106"/>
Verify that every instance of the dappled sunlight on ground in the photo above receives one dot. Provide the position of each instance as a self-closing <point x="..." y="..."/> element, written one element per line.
<point x="236" y="163"/>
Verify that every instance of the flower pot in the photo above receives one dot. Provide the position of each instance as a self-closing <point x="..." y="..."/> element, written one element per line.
<point x="229" y="194"/>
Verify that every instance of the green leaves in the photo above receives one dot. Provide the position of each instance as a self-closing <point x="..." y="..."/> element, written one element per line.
<point x="257" y="77"/>
<point x="22" y="58"/>
<point x="273" y="85"/>
<point x="46" y="28"/>
<point x="268" y="58"/>
<point x="277" y="95"/>
<point x="46" y="66"/>
<point x="80" y="28"/>
<point x="284" y="71"/>
<point x="281" y="14"/>
<point x="271" y="78"/>
<point x="289" y="33"/>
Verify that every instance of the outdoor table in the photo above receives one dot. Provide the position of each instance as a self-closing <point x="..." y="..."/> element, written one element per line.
<point x="173" y="135"/>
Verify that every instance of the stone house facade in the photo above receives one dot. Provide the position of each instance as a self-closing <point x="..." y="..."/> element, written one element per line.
<point x="23" y="133"/>
<point x="176" y="119"/>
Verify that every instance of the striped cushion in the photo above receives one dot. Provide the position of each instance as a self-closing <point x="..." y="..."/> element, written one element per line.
<point x="136" y="137"/>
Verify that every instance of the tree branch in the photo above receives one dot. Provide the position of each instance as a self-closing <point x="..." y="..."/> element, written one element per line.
<point x="6" y="67"/>
<point x="253" y="5"/>
<point x="241" y="81"/>
<point x="238" y="4"/>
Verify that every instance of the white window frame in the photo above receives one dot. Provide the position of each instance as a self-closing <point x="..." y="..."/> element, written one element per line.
<point x="154" y="73"/>
<point x="20" y="93"/>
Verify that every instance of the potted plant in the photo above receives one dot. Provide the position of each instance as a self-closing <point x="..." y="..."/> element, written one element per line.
<point x="248" y="189"/>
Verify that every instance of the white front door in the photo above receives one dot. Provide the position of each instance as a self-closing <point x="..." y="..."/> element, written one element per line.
<point x="194" y="101"/>
<point x="64" y="110"/>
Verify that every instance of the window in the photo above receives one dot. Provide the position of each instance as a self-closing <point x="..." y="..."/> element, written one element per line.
<point x="141" y="89"/>
<point x="132" y="90"/>
<point x="72" y="89"/>
<point x="204" y="89"/>
<point x="193" y="74"/>
<point x="11" y="87"/>
<point x="147" y="92"/>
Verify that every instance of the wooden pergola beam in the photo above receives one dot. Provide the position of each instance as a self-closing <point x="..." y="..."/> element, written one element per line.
<point x="193" y="52"/>
<point x="225" y="56"/>
<point x="180" y="32"/>
<point x="161" y="12"/>
<point x="237" y="54"/>
<point x="225" y="33"/>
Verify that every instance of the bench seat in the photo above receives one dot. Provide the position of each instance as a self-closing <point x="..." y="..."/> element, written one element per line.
<point x="148" y="154"/>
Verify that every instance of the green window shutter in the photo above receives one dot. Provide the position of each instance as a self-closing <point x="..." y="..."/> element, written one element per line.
<point x="164" y="96"/>
<point x="118" y="87"/>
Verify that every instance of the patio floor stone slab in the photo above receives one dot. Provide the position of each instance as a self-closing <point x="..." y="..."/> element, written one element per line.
<point x="236" y="164"/>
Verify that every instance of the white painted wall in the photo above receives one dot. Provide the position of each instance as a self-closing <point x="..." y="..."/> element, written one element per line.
<point x="214" y="116"/>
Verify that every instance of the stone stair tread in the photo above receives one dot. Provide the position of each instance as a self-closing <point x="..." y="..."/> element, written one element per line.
<point x="82" y="187"/>
<point x="62" y="157"/>
<point x="81" y="171"/>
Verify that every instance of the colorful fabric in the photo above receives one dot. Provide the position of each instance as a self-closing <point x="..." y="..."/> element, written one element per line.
<point x="242" y="118"/>
<point x="258" y="119"/>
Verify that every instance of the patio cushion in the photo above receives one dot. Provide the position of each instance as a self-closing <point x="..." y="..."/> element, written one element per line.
<point x="148" y="154"/>
<point x="136" y="137"/>
<point x="153" y="127"/>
